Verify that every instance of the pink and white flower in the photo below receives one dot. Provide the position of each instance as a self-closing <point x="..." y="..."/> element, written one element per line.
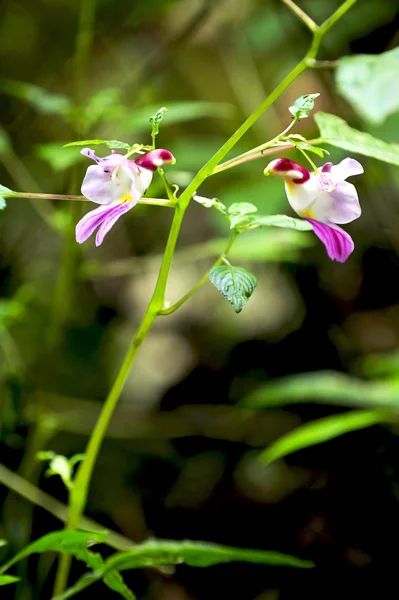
<point x="117" y="184"/>
<point x="324" y="199"/>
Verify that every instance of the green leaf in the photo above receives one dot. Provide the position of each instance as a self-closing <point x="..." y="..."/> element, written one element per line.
<point x="43" y="101"/>
<point x="280" y="221"/>
<point x="210" y="203"/>
<point x="66" y="542"/>
<point x="323" y="430"/>
<point x="155" y="121"/>
<point x="60" y="465"/>
<point x="113" y="144"/>
<point x="241" y="213"/>
<point x="324" y="387"/>
<point x="370" y="83"/>
<point x="303" y="106"/>
<point x="155" y="553"/>
<point x="6" y="579"/>
<point x="57" y="156"/>
<point x="105" y="102"/>
<point x="337" y="132"/>
<point x="235" y="283"/>
<point x="179" y="112"/>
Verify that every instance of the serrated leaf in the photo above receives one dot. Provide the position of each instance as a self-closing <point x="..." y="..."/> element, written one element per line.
<point x="323" y="430"/>
<point x="280" y="221"/>
<point x="370" y="83"/>
<point x="113" y="144"/>
<point x="41" y="100"/>
<point x="155" y="553"/>
<point x="6" y="579"/>
<point x="324" y="387"/>
<point x="337" y="132"/>
<point x="235" y="283"/>
<point x="303" y="106"/>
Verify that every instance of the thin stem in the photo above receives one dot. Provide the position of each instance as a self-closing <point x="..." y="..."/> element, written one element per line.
<point x="168" y="188"/>
<point x="171" y="309"/>
<point x="322" y="64"/>
<point x="152" y="201"/>
<point x="339" y="13"/>
<point x="310" y="24"/>
<point x="310" y="161"/>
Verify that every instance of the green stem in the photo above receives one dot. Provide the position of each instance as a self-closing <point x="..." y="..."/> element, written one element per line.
<point x="301" y="14"/>
<point x="152" y="201"/>
<point x="81" y="485"/>
<point x="171" y="309"/>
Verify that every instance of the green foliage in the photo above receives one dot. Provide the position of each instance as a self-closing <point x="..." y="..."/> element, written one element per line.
<point x="155" y="553"/>
<point x="113" y="144"/>
<point x="240" y="214"/>
<point x="303" y="106"/>
<point x="210" y="203"/>
<point x="60" y="465"/>
<point x="323" y="430"/>
<point x="43" y="101"/>
<point x="235" y="283"/>
<point x="155" y="121"/>
<point x="337" y="132"/>
<point x="302" y="144"/>
<point x="370" y="84"/>
<point x="58" y="157"/>
<point x="3" y="192"/>
<point x="103" y="104"/>
<point x="14" y="310"/>
<point x="179" y="112"/>
<point x="6" y="579"/>
<point x="324" y="387"/>
<point x="280" y="221"/>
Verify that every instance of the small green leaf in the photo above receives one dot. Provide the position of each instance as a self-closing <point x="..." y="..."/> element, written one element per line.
<point x="156" y="553"/>
<point x="280" y="221"/>
<point x="155" y="121"/>
<point x="6" y="579"/>
<point x="235" y="283"/>
<point x="240" y="214"/>
<point x="113" y="144"/>
<point x="370" y="83"/>
<point x="303" y="106"/>
<point x="41" y="100"/>
<point x="4" y="191"/>
<point x="60" y="465"/>
<point x="337" y="132"/>
<point x="323" y="430"/>
<point x="210" y="203"/>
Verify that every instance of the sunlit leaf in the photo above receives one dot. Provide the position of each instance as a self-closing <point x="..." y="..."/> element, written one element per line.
<point x="337" y="132"/>
<point x="155" y="553"/>
<point x="324" y="387"/>
<point x="323" y="430"/>
<point x="6" y="579"/>
<point x="303" y="106"/>
<point x="370" y="83"/>
<point x="235" y="283"/>
<point x="113" y="144"/>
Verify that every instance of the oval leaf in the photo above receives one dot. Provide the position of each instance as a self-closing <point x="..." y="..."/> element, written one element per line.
<point x="303" y="106"/>
<point x="337" y="132"/>
<point x="323" y="430"/>
<point x="370" y="84"/>
<point x="235" y="283"/>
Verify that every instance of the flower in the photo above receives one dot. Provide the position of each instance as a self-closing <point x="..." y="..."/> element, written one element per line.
<point x="324" y="199"/>
<point x="117" y="184"/>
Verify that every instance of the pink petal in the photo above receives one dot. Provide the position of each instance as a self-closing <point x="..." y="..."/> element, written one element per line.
<point x="346" y="168"/>
<point x="346" y="206"/>
<point x="154" y="159"/>
<point x="110" y="220"/>
<point x="99" y="217"/>
<point x="338" y="243"/>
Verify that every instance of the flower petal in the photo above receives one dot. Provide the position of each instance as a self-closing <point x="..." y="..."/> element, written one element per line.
<point x="104" y="184"/>
<point x="338" y="243"/>
<point x="89" y="223"/>
<point x="346" y="206"/>
<point x="110" y="219"/>
<point x="346" y="168"/>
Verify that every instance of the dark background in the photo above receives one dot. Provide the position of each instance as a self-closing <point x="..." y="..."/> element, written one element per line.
<point x="179" y="460"/>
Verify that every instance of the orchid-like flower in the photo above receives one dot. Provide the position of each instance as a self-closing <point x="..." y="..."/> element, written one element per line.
<point x="324" y="199"/>
<point x="117" y="184"/>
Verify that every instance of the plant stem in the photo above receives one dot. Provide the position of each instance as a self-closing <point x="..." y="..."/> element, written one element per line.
<point x="310" y="24"/>
<point x="152" y="201"/>
<point x="168" y="310"/>
<point x="81" y="484"/>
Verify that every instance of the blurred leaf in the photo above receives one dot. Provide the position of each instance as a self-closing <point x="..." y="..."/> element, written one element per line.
<point x="65" y="542"/>
<point x="41" y="100"/>
<point x="57" y="155"/>
<point x="381" y="365"/>
<point x="179" y="112"/>
<point x="6" y="579"/>
<point x="336" y="131"/>
<point x="303" y="106"/>
<point x="105" y="102"/>
<point x="3" y="543"/>
<point x="324" y="387"/>
<point x="60" y="465"/>
<point x="235" y="283"/>
<point x="5" y="144"/>
<point x="280" y="221"/>
<point x="370" y="84"/>
<point x="323" y="430"/>
<point x="155" y="553"/>
<point x="155" y="121"/>
<point x="113" y="144"/>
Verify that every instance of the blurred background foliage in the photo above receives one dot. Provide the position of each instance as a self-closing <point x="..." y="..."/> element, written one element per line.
<point x="181" y="457"/>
